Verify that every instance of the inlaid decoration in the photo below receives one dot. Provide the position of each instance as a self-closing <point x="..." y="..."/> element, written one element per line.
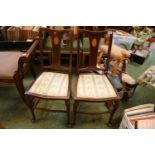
<point x="94" y="42"/>
<point x="56" y="40"/>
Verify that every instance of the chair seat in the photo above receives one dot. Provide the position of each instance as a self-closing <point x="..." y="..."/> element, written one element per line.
<point x="51" y="84"/>
<point x="9" y="63"/>
<point x="95" y="87"/>
<point x="128" y="79"/>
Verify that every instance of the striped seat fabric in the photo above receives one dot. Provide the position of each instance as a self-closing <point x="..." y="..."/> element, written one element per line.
<point x="94" y="86"/>
<point x="51" y="84"/>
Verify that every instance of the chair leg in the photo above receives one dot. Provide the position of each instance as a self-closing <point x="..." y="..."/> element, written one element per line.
<point x="115" y="105"/>
<point x="134" y="89"/>
<point x="75" y="112"/>
<point x="20" y="86"/>
<point x="130" y="92"/>
<point x="108" y="104"/>
<point x="67" y="103"/>
<point x="30" y="105"/>
<point x="125" y="96"/>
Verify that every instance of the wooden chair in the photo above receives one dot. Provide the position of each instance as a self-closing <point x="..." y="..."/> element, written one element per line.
<point x="128" y="82"/>
<point x="54" y="83"/>
<point x="123" y="81"/>
<point x="14" y="65"/>
<point x="92" y="87"/>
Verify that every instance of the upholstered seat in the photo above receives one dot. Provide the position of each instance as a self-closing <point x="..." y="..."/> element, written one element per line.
<point x="15" y="64"/>
<point x="94" y="86"/>
<point x="9" y="64"/>
<point x="129" y="86"/>
<point x="51" y="84"/>
<point x="128" y="79"/>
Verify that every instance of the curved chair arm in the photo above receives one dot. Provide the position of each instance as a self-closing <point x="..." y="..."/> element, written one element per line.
<point x="25" y="59"/>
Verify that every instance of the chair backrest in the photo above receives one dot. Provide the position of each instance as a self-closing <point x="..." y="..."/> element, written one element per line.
<point x="59" y="40"/>
<point x="94" y="38"/>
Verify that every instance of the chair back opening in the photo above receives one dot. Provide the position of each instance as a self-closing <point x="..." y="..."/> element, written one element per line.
<point x="93" y="39"/>
<point x="52" y="43"/>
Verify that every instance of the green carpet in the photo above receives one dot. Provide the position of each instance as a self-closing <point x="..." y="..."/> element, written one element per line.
<point x="15" y="115"/>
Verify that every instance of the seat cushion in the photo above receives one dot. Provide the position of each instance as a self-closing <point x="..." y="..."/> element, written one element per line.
<point x="128" y="79"/>
<point x="94" y="86"/>
<point x="9" y="63"/>
<point x="51" y="84"/>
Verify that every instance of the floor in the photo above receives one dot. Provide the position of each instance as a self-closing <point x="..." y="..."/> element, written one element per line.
<point x="15" y="115"/>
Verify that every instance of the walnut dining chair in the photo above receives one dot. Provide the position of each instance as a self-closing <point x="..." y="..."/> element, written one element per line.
<point x="54" y="83"/>
<point x="92" y="87"/>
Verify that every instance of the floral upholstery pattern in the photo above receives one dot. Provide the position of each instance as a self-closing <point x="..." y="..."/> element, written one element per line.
<point x="94" y="86"/>
<point x="51" y="84"/>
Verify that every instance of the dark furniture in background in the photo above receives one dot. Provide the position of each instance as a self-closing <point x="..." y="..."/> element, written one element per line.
<point x="15" y="45"/>
<point x="138" y="59"/>
<point x="54" y="83"/>
<point x="90" y="86"/>
<point x="17" y="37"/>
<point x="102" y="28"/>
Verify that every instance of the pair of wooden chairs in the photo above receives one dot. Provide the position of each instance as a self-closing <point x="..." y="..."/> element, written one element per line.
<point x="54" y="83"/>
